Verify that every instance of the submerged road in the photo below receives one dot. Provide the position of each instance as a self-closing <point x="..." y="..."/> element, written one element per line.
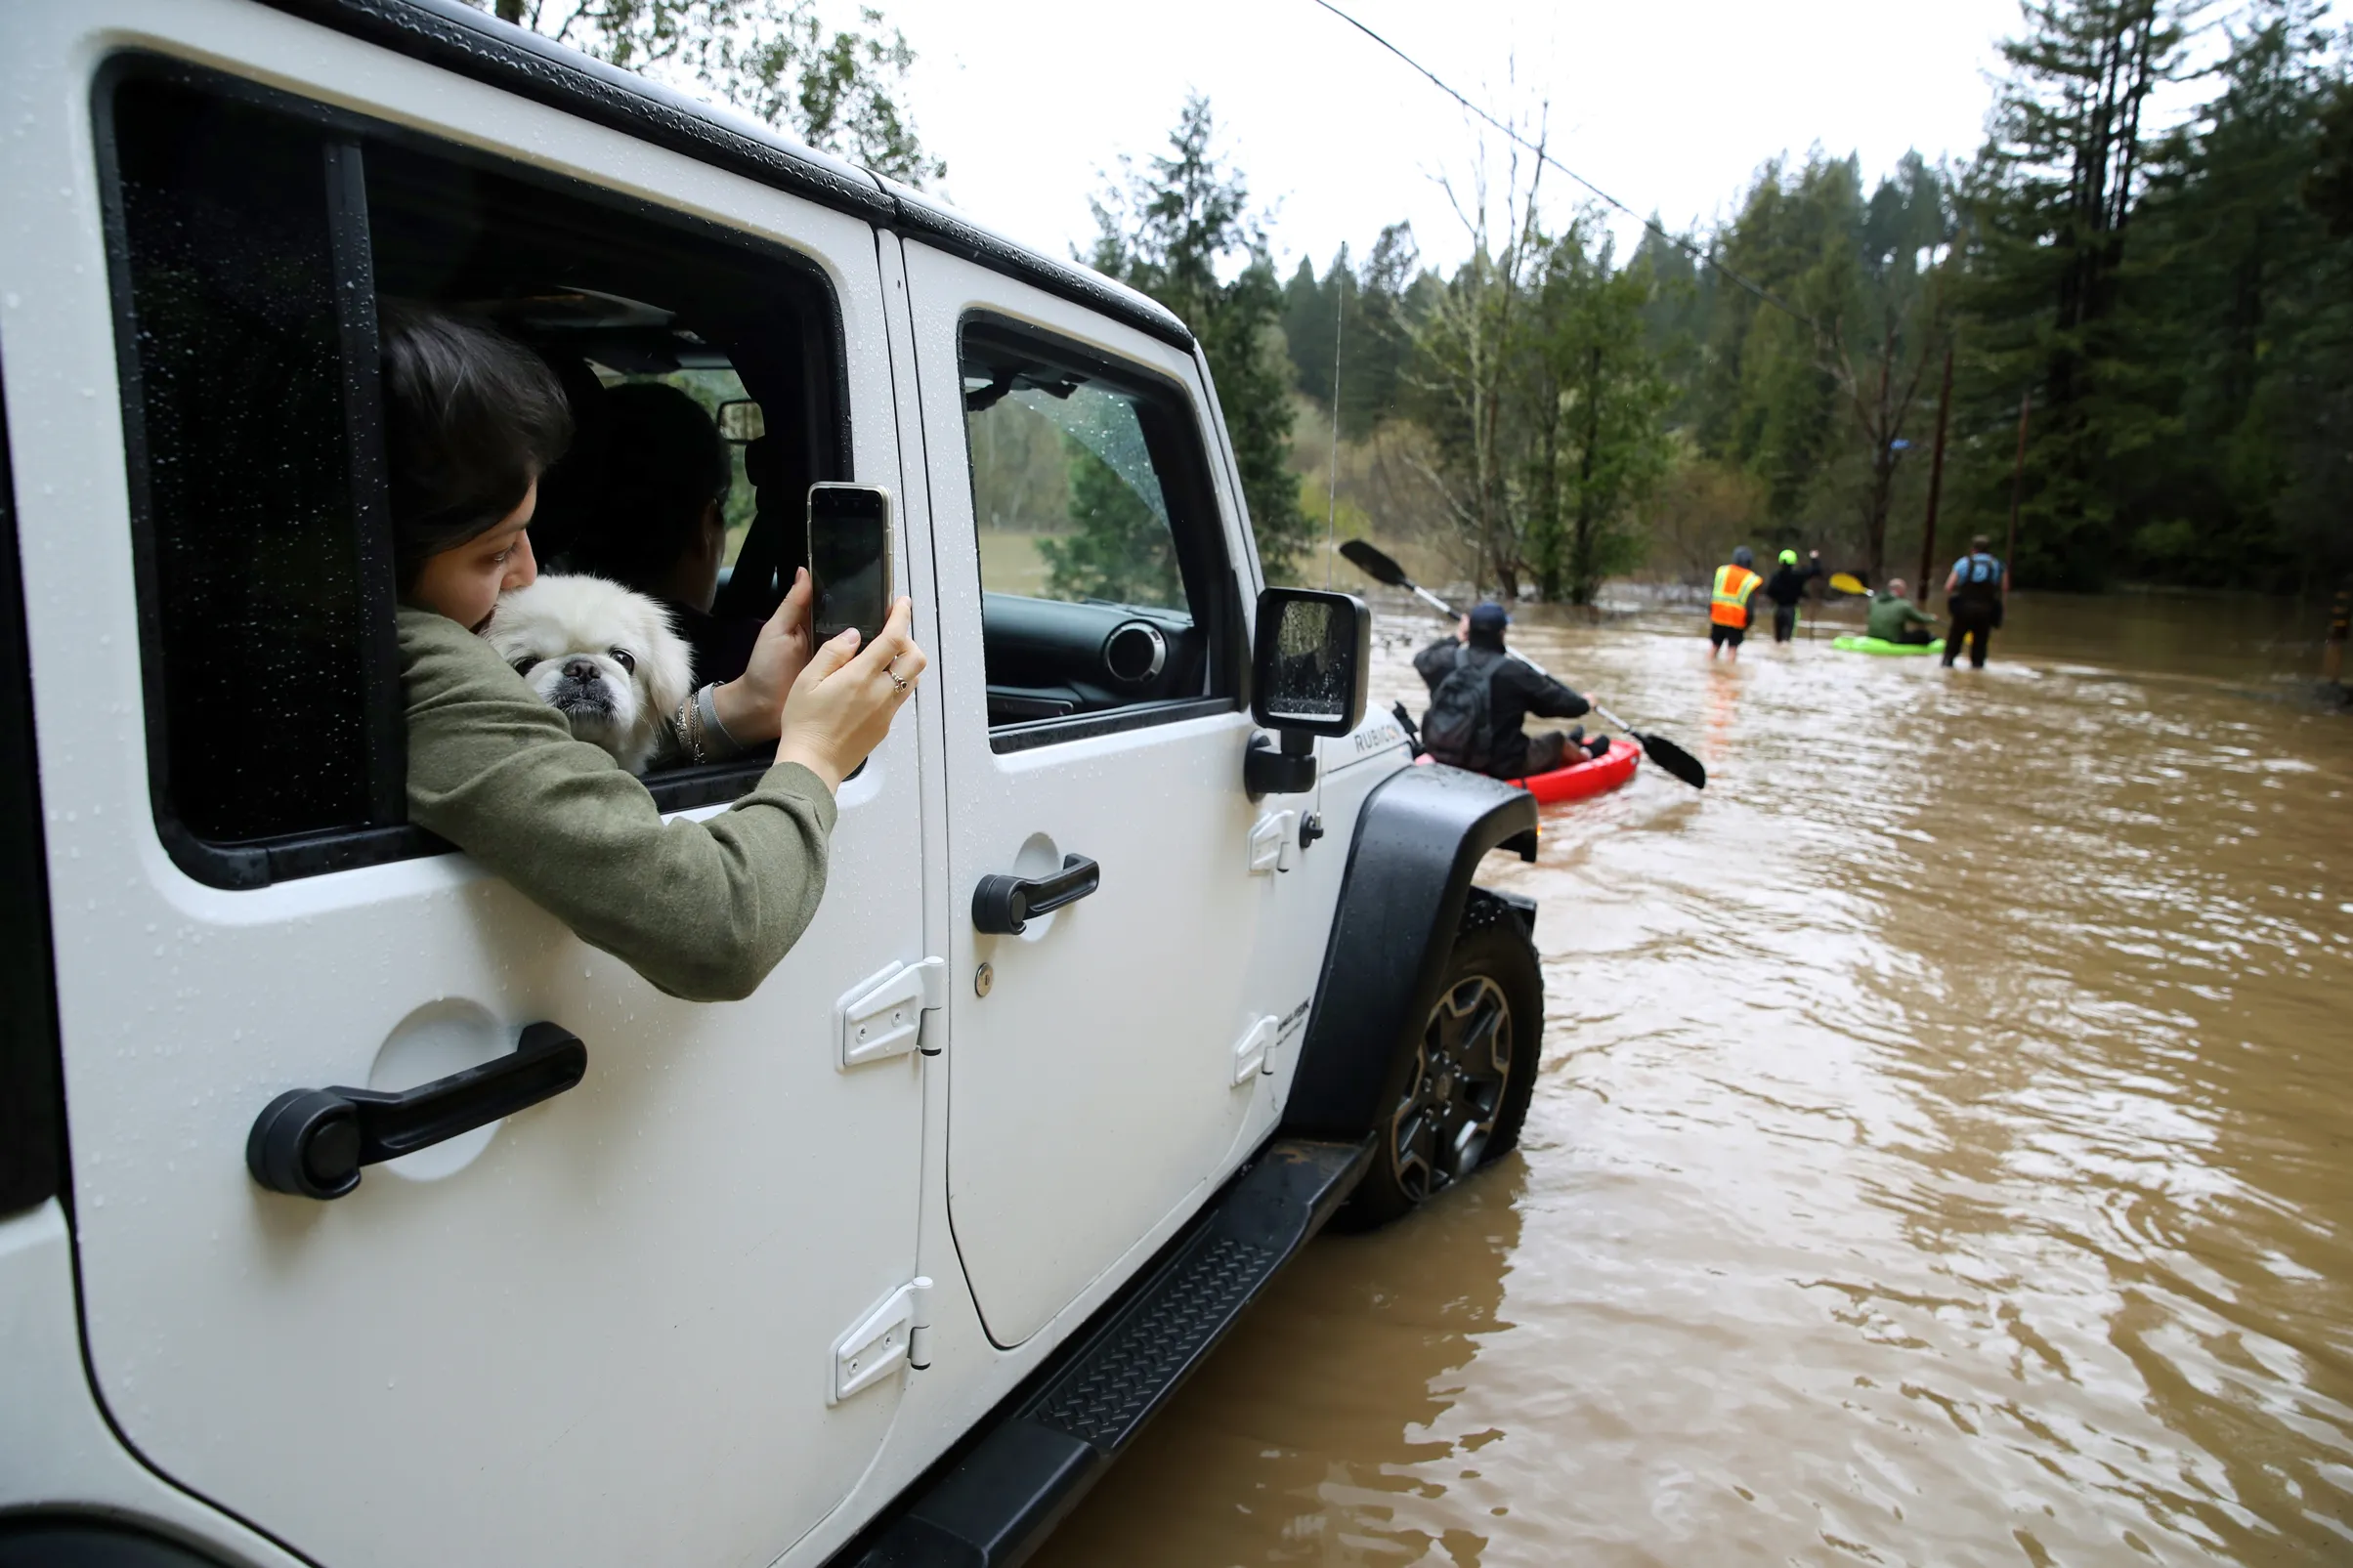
<point x="1944" y="1152"/>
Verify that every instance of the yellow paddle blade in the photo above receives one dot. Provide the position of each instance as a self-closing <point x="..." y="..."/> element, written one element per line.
<point x="1847" y="582"/>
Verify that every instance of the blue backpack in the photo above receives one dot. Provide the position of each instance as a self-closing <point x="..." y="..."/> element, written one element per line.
<point x="1980" y="578"/>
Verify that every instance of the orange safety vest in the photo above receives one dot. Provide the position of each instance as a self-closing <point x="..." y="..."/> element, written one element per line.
<point x="1730" y="606"/>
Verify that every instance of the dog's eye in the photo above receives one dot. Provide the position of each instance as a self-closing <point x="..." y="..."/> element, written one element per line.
<point x="523" y="665"/>
<point x="625" y="659"/>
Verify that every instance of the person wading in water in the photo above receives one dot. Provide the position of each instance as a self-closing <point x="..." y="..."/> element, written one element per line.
<point x="1480" y="697"/>
<point x="1727" y="610"/>
<point x="1786" y="587"/>
<point x="1974" y="593"/>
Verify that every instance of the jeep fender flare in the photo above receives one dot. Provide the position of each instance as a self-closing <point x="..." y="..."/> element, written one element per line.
<point x="1419" y="839"/>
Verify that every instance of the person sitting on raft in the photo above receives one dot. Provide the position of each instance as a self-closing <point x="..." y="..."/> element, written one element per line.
<point x="1480" y="696"/>
<point x="1894" y="618"/>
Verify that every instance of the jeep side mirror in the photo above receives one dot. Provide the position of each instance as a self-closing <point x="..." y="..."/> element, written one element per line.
<point x="1308" y="670"/>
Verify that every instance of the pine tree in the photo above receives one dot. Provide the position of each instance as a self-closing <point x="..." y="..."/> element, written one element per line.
<point x="2048" y="212"/>
<point x="1165" y="230"/>
<point x="2220" y="320"/>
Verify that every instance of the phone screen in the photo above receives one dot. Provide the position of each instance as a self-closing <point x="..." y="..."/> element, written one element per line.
<point x="849" y="558"/>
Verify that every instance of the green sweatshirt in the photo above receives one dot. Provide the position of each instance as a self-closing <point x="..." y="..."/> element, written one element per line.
<point x="1890" y="615"/>
<point x="704" y="909"/>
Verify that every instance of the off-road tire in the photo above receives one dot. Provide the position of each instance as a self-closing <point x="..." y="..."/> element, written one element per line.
<point x="1428" y="1131"/>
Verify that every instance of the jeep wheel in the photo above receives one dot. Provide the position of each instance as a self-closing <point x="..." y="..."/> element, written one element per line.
<point x="1457" y="1097"/>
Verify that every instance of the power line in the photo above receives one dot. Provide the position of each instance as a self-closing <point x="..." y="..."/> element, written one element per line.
<point x="1704" y="258"/>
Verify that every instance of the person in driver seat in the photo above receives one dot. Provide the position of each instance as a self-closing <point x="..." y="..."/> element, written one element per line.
<point x="660" y="520"/>
<point x="702" y="910"/>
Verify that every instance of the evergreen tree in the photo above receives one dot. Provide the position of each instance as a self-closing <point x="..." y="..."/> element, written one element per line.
<point x="1165" y="230"/>
<point x="2048" y="209"/>
<point x="1121" y="550"/>
<point x="2227" y="338"/>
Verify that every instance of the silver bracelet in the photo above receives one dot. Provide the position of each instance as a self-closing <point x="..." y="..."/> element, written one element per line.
<point x="715" y="740"/>
<point x="701" y="738"/>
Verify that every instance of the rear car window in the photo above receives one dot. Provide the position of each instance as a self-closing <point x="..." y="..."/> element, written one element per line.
<point x="252" y="237"/>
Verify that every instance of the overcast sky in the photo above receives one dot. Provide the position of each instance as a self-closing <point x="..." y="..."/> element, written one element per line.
<point x="1670" y="108"/>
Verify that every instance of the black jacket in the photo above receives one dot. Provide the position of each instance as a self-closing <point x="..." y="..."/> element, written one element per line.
<point x="1787" y="584"/>
<point x="1513" y="692"/>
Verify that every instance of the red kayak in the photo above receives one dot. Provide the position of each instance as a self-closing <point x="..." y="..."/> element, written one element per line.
<point x="1592" y="777"/>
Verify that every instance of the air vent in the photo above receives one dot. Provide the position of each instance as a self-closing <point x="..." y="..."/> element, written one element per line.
<point x="1135" y="651"/>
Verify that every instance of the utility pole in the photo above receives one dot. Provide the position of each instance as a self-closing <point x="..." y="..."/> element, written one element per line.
<point x="2018" y="481"/>
<point x="2340" y="625"/>
<point x="1936" y="483"/>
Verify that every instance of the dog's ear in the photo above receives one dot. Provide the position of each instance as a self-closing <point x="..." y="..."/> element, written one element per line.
<point x="668" y="667"/>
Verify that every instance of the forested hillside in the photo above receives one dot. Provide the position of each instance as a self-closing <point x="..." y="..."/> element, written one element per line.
<point x="2172" y="312"/>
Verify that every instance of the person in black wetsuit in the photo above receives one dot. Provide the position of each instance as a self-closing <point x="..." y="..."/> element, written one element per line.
<point x="1786" y="587"/>
<point x="1481" y="697"/>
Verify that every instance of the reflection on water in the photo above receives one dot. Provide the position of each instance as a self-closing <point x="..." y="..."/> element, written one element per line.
<point x="1944" y="1153"/>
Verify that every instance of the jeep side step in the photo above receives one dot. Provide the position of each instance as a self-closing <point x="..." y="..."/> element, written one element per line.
<point x="996" y="1504"/>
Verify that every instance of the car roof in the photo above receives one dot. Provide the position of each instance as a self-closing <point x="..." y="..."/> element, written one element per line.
<point x="473" y="43"/>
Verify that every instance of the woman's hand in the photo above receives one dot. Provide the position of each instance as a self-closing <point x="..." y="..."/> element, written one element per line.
<point x="752" y="706"/>
<point x="841" y="706"/>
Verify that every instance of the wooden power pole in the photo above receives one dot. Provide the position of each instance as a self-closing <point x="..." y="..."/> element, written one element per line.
<point x="1935" y="486"/>
<point x="2018" y="482"/>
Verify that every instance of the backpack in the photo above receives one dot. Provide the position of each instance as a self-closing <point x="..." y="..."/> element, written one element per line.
<point x="1459" y="730"/>
<point x="1980" y="580"/>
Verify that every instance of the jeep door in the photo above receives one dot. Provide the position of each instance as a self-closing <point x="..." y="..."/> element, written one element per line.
<point x="604" y="1329"/>
<point x="1093" y="581"/>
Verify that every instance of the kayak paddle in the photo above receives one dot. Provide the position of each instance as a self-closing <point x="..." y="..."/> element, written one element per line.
<point x="1657" y="747"/>
<point x="1847" y="582"/>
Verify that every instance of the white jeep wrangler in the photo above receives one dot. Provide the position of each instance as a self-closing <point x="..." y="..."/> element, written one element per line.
<point x="351" y="1210"/>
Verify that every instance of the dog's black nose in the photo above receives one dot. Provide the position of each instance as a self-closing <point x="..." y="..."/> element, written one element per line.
<point x="582" y="670"/>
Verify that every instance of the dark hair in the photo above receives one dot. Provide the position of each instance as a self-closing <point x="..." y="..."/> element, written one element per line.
<point x="470" y="420"/>
<point x="663" y="464"/>
<point x="1981" y="545"/>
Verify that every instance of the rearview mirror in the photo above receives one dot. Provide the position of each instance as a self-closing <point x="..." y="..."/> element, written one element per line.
<point x="741" y="421"/>
<point x="1312" y="661"/>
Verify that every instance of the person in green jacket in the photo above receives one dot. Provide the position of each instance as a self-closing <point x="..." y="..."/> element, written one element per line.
<point x="702" y="910"/>
<point x="1894" y="618"/>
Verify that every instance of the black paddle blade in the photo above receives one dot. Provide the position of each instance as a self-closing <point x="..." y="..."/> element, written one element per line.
<point x="1675" y="759"/>
<point x="1373" y="564"/>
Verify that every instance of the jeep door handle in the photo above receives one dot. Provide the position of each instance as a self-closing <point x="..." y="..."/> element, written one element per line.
<point x="1001" y="905"/>
<point x="310" y="1143"/>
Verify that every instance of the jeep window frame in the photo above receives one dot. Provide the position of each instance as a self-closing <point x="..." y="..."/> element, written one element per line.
<point x="386" y="836"/>
<point x="1199" y="531"/>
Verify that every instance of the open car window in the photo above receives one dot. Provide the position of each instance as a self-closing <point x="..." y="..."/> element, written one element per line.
<point x="252" y="237"/>
<point x="1106" y="591"/>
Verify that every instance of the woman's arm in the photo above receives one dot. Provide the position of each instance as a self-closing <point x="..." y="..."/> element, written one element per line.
<point x="702" y="910"/>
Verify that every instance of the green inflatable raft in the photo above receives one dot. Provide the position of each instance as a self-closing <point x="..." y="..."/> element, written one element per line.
<point x="1873" y="645"/>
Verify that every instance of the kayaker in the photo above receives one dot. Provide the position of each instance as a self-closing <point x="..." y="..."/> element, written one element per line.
<point x="1894" y="618"/>
<point x="1974" y="593"/>
<point x="1480" y="696"/>
<point x="1786" y="587"/>
<point x="1728" y="609"/>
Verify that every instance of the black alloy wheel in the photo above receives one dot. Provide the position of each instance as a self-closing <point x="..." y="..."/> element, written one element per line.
<point x="1454" y="1090"/>
<point x="1460" y="1089"/>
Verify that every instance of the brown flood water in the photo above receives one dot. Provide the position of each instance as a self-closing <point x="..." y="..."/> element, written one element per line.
<point x="1942" y="1153"/>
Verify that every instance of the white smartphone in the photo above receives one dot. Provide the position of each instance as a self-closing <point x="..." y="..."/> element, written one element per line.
<point x="849" y="559"/>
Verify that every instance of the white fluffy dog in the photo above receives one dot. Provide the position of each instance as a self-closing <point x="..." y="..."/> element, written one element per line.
<point x="600" y="654"/>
